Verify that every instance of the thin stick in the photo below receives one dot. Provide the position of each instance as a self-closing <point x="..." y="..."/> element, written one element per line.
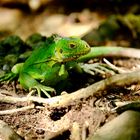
<point x="9" y="99"/>
<point x="4" y="112"/>
<point x="114" y="67"/>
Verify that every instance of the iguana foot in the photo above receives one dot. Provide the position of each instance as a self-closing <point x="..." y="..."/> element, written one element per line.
<point x="42" y="88"/>
<point x="97" y="68"/>
<point x="8" y="77"/>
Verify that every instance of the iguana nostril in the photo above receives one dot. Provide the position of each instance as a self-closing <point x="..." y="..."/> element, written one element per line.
<point x="61" y="51"/>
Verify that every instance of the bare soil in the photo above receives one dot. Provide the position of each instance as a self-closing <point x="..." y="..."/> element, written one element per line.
<point x="87" y="115"/>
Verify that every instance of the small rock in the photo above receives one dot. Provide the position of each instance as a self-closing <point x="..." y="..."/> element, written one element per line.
<point x="7" y="133"/>
<point x="124" y="127"/>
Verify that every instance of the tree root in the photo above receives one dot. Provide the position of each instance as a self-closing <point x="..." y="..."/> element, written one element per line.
<point x="96" y="89"/>
<point x="92" y="90"/>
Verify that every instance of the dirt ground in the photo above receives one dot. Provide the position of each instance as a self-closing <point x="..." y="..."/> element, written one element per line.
<point x="84" y="116"/>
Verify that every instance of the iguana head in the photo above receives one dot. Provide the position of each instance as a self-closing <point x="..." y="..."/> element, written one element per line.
<point x="68" y="49"/>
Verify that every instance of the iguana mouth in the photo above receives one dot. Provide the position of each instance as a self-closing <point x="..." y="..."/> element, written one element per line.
<point x="74" y="57"/>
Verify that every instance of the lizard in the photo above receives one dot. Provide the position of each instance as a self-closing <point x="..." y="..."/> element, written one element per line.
<point x="50" y="61"/>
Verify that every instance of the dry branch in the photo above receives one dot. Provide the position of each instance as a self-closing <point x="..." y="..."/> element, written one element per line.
<point x="92" y="90"/>
<point x="11" y="111"/>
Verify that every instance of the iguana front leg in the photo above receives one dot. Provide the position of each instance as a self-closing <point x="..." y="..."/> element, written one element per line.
<point x="13" y="74"/>
<point x="30" y="83"/>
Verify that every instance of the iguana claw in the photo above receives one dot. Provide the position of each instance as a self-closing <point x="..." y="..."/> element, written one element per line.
<point x="8" y="77"/>
<point x="42" y="88"/>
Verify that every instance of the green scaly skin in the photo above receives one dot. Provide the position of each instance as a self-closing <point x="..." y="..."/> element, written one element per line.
<point x="49" y="63"/>
<point x="51" y="60"/>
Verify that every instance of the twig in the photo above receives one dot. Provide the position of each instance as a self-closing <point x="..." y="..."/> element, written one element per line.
<point x="4" y="112"/>
<point x="84" y="130"/>
<point x="114" y="67"/>
<point x="75" y="132"/>
<point x="134" y="105"/>
<point x="9" y="99"/>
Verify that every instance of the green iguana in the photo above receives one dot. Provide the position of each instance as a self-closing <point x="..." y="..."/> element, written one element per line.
<point x="50" y="61"/>
<point x="48" y="64"/>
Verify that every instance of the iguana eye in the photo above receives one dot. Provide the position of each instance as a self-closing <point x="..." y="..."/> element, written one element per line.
<point x="72" y="45"/>
<point x="61" y="51"/>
